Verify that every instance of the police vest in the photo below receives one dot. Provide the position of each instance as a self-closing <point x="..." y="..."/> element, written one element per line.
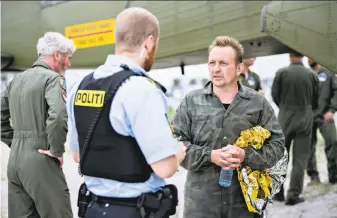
<point x="108" y="154"/>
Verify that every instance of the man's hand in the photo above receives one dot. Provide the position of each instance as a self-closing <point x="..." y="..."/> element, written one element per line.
<point x="76" y="156"/>
<point x="236" y="151"/>
<point x="226" y="158"/>
<point x="261" y="91"/>
<point x="181" y="153"/>
<point x="217" y="157"/>
<point x="47" y="152"/>
<point x="328" y="117"/>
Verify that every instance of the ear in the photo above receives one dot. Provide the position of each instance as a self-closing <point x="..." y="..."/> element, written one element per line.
<point x="57" y="55"/>
<point x="239" y="68"/>
<point x="149" y="43"/>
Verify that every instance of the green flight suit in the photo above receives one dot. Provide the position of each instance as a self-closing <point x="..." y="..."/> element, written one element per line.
<point x="205" y="125"/>
<point x="327" y="102"/>
<point x="36" y="184"/>
<point x="295" y="91"/>
<point x="252" y="80"/>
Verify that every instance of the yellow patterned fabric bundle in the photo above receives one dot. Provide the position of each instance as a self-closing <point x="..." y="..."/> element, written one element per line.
<point x="256" y="186"/>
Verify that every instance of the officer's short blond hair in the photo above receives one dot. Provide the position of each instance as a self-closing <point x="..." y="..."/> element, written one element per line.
<point x="224" y="41"/>
<point x="133" y="26"/>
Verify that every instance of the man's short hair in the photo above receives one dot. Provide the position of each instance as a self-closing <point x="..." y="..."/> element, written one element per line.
<point x="227" y="41"/>
<point x="133" y="26"/>
<point x="297" y="54"/>
<point x="52" y="42"/>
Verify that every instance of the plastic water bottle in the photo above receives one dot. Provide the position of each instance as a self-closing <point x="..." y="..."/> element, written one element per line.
<point x="225" y="179"/>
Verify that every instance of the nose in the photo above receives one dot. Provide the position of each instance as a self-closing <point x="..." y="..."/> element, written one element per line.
<point x="217" y="67"/>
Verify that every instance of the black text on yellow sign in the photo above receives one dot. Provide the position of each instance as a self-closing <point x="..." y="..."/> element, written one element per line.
<point x="90" y="98"/>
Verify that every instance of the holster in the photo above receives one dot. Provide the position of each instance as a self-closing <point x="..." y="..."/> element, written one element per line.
<point x="160" y="204"/>
<point x="84" y="198"/>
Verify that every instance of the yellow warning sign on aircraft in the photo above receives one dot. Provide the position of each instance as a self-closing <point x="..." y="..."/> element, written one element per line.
<point x="92" y="34"/>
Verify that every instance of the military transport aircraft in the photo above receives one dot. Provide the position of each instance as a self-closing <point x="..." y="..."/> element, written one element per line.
<point x="187" y="29"/>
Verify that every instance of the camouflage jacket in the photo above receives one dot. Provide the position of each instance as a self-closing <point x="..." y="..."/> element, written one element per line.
<point x="204" y="124"/>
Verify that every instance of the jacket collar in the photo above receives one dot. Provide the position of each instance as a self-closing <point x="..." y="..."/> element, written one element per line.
<point x="41" y="64"/>
<point x="297" y="63"/>
<point x="243" y="91"/>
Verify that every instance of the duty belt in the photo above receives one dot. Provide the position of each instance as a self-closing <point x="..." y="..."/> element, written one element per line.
<point x="120" y="201"/>
<point x="160" y="204"/>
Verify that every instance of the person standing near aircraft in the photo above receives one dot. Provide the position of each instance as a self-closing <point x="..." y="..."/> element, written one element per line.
<point x="209" y="121"/>
<point x="249" y="78"/>
<point x="118" y="128"/>
<point x="34" y="104"/>
<point x="324" y="121"/>
<point x="295" y="91"/>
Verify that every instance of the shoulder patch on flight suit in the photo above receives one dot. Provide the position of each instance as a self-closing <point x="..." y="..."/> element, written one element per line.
<point x="322" y="76"/>
<point x="63" y="88"/>
<point x="251" y="81"/>
<point x="90" y="98"/>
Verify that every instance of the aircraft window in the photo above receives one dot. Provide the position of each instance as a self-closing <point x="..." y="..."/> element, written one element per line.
<point x="45" y="4"/>
<point x="176" y="82"/>
<point x="3" y="77"/>
<point x="193" y="82"/>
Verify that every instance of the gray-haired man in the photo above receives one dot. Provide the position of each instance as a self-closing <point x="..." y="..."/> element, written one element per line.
<point x="34" y="101"/>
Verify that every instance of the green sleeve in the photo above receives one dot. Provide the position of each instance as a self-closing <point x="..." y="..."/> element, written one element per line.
<point x="57" y="120"/>
<point x="273" y="149"/>
<point x="197" y="157"/>
<point x="276" y="88"/>
<point x="6" y="128"/>
<point x="333" y="104"/>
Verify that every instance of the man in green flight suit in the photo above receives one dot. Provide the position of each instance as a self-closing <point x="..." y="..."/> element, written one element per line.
<point x="295" y="91"/>
<point x="34" y="126"/>
<point x="209" y="121"/>
<point x="324" y="121"/>
<point x="249" y="78"/>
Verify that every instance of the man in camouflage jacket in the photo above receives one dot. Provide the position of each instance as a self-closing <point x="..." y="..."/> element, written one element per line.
<point x="211" y="118"/>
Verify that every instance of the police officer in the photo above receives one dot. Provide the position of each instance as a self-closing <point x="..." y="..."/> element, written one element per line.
<point x="118" y="127"/>
<point x="324" y="121"/>
<point x="295" y="92"/>
<point x="249" y="78"/>
<point x="34" y="101"/>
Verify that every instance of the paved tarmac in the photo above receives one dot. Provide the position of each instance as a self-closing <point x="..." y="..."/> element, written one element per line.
<point x="320" y="200"/>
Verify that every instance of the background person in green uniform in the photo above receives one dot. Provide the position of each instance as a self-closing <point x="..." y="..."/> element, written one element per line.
<point x="249" y="78"/>
<point x="34" y="103"/>
<point x="324" y="121"/>
<point x="295" y="91"/>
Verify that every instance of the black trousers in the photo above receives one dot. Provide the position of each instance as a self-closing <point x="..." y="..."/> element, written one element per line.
<point x="107" y="210"/>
